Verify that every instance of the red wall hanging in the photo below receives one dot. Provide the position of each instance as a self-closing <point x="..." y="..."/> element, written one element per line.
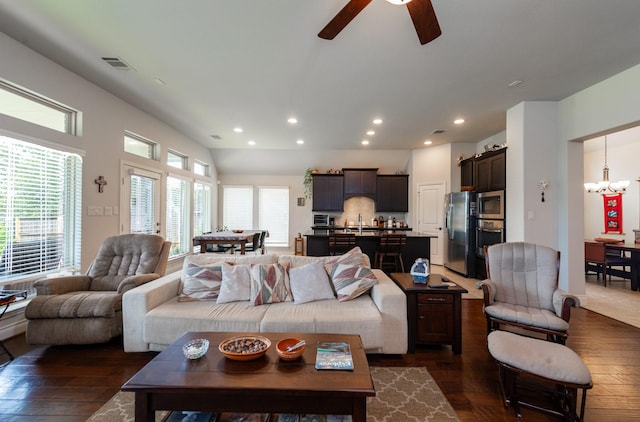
<point x="612" y="213"/>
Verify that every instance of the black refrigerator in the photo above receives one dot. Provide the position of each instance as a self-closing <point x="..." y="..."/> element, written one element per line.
<point x="460" y="211"/>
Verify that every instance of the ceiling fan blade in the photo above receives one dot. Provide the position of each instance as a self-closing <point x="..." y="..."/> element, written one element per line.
<point x="342" y="19"/>
<point x="424" y="20"/>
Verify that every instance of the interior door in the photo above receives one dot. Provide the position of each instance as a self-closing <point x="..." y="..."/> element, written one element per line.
<point x="431" y="217"/>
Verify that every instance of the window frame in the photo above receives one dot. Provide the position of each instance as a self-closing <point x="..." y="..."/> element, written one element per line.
<point x="153" y="146"/>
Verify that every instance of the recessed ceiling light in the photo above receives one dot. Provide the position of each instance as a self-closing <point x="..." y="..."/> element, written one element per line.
<point x="365" y="142"/>
<point x="237" y="129"/>
<point x="377" y="121"/>
<point x="300" y="141"/>
<point x="428" y="142"/>
<point x="292" y="120"/>
<point x="251" y="142"/>
<point x="159" y="81"/>
<point x="515" y="83"/>
<point x="458" y="121"/>
<point x="371" y="132"/>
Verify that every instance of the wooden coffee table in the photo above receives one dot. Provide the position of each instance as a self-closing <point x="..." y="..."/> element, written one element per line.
<point x="265" y="385"/>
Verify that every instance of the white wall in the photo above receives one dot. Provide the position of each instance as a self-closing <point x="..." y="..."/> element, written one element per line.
<point x="104" y="121"/>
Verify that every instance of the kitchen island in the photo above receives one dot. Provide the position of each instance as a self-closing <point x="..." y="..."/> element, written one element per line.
<point x="418" y="244"/>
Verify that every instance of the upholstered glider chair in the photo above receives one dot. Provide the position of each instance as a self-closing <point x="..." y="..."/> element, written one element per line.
<point x="522" y="291"/>
<point x="86" y="309"/>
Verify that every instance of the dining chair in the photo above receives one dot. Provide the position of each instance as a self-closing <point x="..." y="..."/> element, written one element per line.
<point x="607" y="263"/>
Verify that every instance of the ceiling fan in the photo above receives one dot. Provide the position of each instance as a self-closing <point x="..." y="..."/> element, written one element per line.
<point x="421" y="12"/>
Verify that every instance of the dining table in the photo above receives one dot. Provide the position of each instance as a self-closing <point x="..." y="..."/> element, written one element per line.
<point x="634" y="250"/>
<point x="227" y="237"/>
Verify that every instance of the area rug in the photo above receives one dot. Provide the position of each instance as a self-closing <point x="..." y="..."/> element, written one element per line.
<point x="402" y="394"/>
<point x="619" y="303"/>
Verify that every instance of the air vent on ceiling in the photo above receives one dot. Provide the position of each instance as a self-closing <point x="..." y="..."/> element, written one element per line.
<point x="438" y="131"/>
<point x="216" y="136"/>
<point x="117" y="63"/>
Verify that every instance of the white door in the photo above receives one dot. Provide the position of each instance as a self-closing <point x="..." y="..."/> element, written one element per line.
<point x="431" y="217"/>
<point x="140" y="193"/>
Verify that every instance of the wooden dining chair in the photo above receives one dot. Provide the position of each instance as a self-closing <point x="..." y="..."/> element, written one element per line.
<point x="598" y="260"/>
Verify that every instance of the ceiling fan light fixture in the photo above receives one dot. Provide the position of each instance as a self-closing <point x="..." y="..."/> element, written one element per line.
<point x="398" y="2"/>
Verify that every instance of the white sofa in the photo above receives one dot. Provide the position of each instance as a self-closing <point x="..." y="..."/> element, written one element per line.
<point x="154" y="317"/>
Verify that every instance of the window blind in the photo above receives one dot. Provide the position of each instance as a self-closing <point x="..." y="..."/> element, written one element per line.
<point x="40" y="208"/>
<point x="237" y="207"/>
<point x="274" y="214"/>
<point x="178" y="215"/>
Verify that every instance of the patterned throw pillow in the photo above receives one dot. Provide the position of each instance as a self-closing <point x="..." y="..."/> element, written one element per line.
<point x="236" y="283"/>
<point x="270" y="284"/>
<point x="354" y="256"/>
<point x="351" y="281"/>
<point x="200" y="282"/>
<point x="310" y="283"/>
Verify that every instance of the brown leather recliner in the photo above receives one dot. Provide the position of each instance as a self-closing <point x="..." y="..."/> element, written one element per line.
<point x="86" y="309"/>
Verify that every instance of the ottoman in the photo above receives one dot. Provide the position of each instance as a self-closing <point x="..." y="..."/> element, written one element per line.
<point x="553" y="363"/>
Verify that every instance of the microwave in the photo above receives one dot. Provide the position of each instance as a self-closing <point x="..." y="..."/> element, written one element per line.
<point x="320" y="220"/>
<point x="490" y="205"/>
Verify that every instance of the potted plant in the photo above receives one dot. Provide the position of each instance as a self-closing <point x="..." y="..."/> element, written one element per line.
<point x="307" y="183"/>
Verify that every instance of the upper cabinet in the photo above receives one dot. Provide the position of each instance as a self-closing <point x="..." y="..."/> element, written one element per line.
<point x="487" y="172"/>
<point x="393" y="193"/>
<point x="490" y="171"/>
<point x="327" y="192"/>
<point x="360" y="182"/>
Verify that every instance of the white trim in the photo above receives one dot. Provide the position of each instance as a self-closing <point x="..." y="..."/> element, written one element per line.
<point x="41" y="142"/>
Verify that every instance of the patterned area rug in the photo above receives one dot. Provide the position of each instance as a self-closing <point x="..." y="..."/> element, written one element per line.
<point x="403" y="394"/>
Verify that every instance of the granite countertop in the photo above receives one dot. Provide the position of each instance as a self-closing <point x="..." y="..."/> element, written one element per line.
<point x="367" y="233"/>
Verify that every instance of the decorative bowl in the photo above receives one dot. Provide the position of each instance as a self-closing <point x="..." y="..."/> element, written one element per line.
<point x="237" y="231"/>
<point x="195" y="349"/>
<point x="282" y="346"/>
<point x="244" y="347"/>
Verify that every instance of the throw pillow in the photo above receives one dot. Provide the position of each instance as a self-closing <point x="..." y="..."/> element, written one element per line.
<point x="351" y="281"/>
<point x="353" y="257"/>
<point x="200" y="282"/>
<point x="310" y="283"/>
<point x="270" y="284"/>
<point x="236" y="283"/>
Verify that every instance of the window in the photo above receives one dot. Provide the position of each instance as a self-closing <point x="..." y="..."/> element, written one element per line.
<point x="141" y="191"/>
<point x="274" y="214"/>
<point x="200" y="168"/>
<point x="40" y="209"/>
<point x="176" y="160"/>
<point x="140" y="146"/>
<point x="237" y="207"/>
<point x="21" y="104"/>
<point x="201" y="208"/>
<point x="178" y="216"/>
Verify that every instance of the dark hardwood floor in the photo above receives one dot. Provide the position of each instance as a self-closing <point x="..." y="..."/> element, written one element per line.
<point x="70" y="383"/>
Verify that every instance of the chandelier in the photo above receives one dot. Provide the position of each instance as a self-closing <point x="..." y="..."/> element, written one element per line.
<point x="605" y="185"/>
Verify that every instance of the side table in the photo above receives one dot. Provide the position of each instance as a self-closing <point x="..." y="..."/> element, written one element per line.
<point x="7" y="297"/>
<point x="434" y="315"/>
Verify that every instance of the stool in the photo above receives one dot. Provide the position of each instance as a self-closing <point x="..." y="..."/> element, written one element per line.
<point x="340" y="243"/>
<point x="389" y="254"/>
<point x="551" y="362"/>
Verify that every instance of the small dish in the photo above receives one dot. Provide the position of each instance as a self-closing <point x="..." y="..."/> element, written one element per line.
<point x="195" y="349"/>
<point x="244" y="347"/>
<point x="237" y="231"/>
<point x="284" y="344"/>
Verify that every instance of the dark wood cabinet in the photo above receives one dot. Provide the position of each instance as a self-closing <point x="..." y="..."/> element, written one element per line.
<point x="466" y="172"/>
<point x="328" y="192"/>
<point x="490" y="171"/>
<point x="392" y="193"/>
<point x="434" y="315"/>
<point x="360" y="182"/>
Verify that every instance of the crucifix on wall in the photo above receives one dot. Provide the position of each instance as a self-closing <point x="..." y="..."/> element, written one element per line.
<point x="100" y="181"/>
